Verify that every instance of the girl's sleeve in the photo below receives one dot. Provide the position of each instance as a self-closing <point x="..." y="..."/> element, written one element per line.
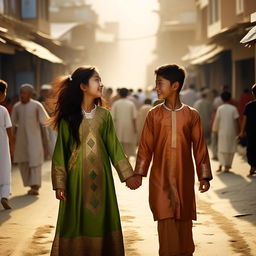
<point x="7" y="119"/>
<point x="59" y="159"/>
<point x="115" y="151"/>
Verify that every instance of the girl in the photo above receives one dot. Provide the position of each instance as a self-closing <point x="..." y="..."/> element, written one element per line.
<point x="88" y="222"/>
<point x="6" y="146"/>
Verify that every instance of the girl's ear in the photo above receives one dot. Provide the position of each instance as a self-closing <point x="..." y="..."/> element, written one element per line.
<point x="176" y="85"/>
<point x="83" y="87"/>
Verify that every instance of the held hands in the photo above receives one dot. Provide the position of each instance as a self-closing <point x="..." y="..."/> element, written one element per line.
<point x="134" y="182"/>
<point x="204" y="186"/>
<point x="60" y="194"/>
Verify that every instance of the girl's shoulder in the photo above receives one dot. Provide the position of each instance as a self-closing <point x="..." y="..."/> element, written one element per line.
<point x="103" y="112"/>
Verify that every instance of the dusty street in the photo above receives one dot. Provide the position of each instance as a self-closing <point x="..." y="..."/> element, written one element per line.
<point x="226" y="217"/>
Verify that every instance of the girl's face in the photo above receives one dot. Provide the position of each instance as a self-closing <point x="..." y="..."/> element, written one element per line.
<point x="94" y="87"/>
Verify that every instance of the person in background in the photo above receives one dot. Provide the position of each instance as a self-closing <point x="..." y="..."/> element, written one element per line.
<point x="124" y="114"/>
<point x="27" y="116"/>
<point x="226" y="125"/>
<point x="245" y="98"/>
<point x="6" y="149"/>
<point x="248" y="129"/>
<point x="205" y="109"/>
<point x="142" y="114"/>
<point x="189" y="95"/>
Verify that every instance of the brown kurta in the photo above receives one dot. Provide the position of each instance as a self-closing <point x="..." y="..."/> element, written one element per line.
<point x="169" y="137"/>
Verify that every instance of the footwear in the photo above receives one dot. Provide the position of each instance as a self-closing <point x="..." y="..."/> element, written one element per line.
<point x="5" y="204"/>
<point x="252" y="171"/>
<point x="33" y="192"/>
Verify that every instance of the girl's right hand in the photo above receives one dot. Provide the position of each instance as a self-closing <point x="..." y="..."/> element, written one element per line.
<point x="60" y="194"/>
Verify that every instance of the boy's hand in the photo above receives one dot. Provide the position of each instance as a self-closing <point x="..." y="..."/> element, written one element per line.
<point x="134" y="182"/>
<point x="204" y="186"/>
<point x="60" y="194"/>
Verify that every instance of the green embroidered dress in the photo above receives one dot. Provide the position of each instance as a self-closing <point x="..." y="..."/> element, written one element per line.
<point x="89" y="222"/>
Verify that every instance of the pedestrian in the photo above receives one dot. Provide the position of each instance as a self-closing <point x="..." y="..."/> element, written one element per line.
<point x="205" y="109"/>
<point x="248" y="129"/>
<point x="142" y="114"/>
<point x="124" y="114"/>
<point x="189" y="95"/>
<point x="169" y="131"/>
<point x="6" y="149"/>
<point x="88" y="220"/>
<point x="226" y="125"/>
<point x="27" y="116"/>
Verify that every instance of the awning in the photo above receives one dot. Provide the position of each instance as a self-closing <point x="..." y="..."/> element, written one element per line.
<point x="60" y="29"/>
<point x="250" y="37"/>
<point x="37" y="50"/>
<point x="202" y="53"/>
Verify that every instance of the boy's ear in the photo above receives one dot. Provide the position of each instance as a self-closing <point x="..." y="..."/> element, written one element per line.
<point x="176" y="85"/>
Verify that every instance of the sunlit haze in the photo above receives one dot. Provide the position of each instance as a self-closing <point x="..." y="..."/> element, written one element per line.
<point x="137" y="25"/>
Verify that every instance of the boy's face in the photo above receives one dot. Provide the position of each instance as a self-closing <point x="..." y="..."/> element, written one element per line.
<point x="164" y="88"/>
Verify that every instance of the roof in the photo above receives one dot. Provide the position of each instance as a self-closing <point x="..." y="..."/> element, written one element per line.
<point x="202" y="53"/>
<point x="250" y="37"/>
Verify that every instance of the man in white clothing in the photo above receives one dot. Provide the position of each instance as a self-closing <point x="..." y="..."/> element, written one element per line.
<point x="189" y="96"/>
<point x="27" y="115"/>
<point x="226" y="124"/>
<point x="124" y="115"/>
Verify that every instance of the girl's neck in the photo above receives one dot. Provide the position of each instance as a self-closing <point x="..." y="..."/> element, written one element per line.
<point x="88" y="104"/>
<point x="173" y="102"/>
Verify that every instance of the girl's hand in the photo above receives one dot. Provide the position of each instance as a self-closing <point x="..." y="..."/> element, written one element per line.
<point x="204" y="186"/>
<point x="134" y="182"/>
<point x="60" y="194"/>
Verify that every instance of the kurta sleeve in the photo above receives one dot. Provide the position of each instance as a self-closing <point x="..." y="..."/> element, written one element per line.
<point x="14" y="116"/>
<point x="145" y="150"/>
<point x="42" y="114"/>
<point x="59" y="159"/>
<point x="200" y="151"/>
<point x="116" y="153"/>
<point x="7" y="120"/>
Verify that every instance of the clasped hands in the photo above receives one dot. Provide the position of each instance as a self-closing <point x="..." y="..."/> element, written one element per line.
<point x="134" y="182"/>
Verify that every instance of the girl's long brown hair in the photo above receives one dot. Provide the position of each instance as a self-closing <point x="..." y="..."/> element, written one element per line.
<point x="67" y="98"/>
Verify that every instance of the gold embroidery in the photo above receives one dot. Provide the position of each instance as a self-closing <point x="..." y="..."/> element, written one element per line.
<point x="73" y="158"/>
<point x="59" y="177"/>
<point x="174" y="129"/>
<point x="92" y="161"/>
<point x="111" y="244"/>
<point x="124" y="169"/>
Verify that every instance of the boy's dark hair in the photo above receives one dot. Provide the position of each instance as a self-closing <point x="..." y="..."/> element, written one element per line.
<point x="225" y="96"/>
<point x="173" y="73"/>
<point x="254" y="90"/>
<point x="3" y="86"/>
<point x="123" y="92"/>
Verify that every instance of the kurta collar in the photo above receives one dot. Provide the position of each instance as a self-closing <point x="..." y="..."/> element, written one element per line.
<point x="182" y="105"/>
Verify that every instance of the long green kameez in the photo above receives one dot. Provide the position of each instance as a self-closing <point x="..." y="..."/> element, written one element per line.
<point x="89" y="222"/>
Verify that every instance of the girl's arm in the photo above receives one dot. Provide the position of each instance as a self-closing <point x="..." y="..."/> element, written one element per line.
<point x="115" y="151"/>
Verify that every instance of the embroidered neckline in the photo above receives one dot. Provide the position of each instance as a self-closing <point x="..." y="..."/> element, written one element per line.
<point x="177" y="109"/>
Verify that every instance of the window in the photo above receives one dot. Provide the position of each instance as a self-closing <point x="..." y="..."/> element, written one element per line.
<point x="214" y="12"/>
<point x="239" y="6"/>
<point x="29" y="9"/>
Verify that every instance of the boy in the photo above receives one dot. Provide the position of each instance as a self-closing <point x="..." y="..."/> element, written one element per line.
<point x="170" y="130"/>
<point x="226" y="124"/>
<point x="6" y="146"/>
<point x="249" y="127"/>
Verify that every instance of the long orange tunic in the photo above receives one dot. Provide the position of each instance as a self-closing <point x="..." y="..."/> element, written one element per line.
<point x="169" y="137"/>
